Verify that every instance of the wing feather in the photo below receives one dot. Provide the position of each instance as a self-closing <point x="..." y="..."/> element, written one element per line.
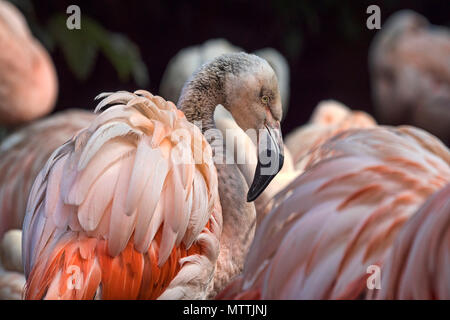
<point x="93" y="208"/>
<point x="117" y="201"/>
<point x="121" y="224"/>
<point x="145" y="156"/>
<point x="149" y="201"/>
<point x="105" y="133"/>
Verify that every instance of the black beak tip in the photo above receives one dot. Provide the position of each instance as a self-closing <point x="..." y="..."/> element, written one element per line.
<point x="251" y="196"/>
<point x="281" y="161"/>
<point x="260" y="183"/>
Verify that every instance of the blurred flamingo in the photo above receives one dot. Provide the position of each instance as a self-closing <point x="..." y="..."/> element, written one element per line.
<point x="130" y="206"/>
<point x="28" y="83"/>
<point x="409" y="62"/>
<point x="24" y="153"/>
<point x="343" y="214"/>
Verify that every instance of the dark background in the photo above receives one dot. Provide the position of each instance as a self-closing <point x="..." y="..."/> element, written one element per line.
<point x="326" y="43"/>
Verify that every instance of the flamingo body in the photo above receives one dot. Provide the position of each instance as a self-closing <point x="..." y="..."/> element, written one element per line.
<point x="118" y="195"/>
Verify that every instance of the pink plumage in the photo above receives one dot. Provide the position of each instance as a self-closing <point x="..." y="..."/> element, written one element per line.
<point x="28" y="81"/>
<point x="24" y="153"/>
<point x="418" y="264"/>
<point x="342" y="215"/>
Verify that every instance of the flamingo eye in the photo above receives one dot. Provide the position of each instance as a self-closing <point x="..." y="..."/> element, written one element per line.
<point x="265" y="99"/>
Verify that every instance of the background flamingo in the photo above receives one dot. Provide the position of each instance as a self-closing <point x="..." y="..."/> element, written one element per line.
<point x="127" y="200"/>
<point x="28" y="83"/>
<point x="24" y="153"/>
<point x="342" y="215"/>
<point x="409" y="62"/>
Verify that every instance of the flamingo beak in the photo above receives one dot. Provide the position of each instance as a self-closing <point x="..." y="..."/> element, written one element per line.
<point x="270" y="159"/>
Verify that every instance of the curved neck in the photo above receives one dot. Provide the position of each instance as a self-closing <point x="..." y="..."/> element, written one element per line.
<point x="200" y="96"/>
<point x="198" y="102"/>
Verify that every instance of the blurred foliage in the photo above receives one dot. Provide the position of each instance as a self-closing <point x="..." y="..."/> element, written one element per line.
<point x="81" y="47"/>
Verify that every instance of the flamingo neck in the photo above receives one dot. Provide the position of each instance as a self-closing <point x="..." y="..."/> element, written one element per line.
<point x="239" y="221"/>
<point x="199" y="98"/>
<point x="198" y="102"/>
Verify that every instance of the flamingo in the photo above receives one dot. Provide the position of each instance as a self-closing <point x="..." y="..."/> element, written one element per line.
<point x="28" y="82"/>
<point x="187" y="60"/>
<point x="118" y="194"/>
<point x="24" y="153"/>
<point x="409" y="62"/>
<point x="342" y="216"/>
<point x="417" y="265"/>
<point x="12" y="279"/>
